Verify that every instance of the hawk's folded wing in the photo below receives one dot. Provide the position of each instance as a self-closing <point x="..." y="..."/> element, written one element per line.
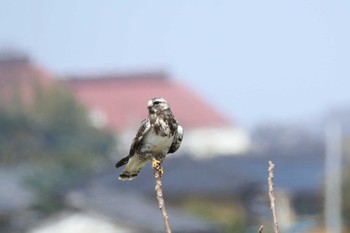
<point x="177" y="139"/>
<point x="137" y="142"/>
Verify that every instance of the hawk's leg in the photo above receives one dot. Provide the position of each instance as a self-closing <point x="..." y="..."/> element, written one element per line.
<point x="157" y="165"/>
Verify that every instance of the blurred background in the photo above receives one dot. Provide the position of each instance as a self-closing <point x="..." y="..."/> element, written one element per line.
<point x="250" y="81"/>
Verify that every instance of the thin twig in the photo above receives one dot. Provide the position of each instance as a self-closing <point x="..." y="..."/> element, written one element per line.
<point x="261" y="228"/>
<point x="272" y="197"/>
<point x="161" y="203"/>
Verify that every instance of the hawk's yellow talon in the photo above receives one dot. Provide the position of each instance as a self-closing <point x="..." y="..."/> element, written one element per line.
<point x="156" y="164"/>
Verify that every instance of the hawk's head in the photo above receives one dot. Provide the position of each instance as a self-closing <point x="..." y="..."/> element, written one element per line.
<point x="157" y="104"/>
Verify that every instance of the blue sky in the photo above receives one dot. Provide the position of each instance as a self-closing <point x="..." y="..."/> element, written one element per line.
<point x="256" y="60"/>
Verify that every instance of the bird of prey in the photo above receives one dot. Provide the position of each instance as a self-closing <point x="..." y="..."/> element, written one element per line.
<point x="158" y="135"/>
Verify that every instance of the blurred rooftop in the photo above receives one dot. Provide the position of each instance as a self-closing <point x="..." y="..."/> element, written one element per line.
<point x="122" y="99"/>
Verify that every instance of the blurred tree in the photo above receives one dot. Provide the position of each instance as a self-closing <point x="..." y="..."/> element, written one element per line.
<point x="55" y="137"/>
<point x="346" y="197"/>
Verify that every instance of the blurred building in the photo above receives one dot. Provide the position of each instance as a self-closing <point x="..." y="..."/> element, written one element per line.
<point x="118" y="102"/>
<point x="80" y="222"/>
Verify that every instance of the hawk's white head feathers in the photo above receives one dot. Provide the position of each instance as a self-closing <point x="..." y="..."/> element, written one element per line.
<point x="157" y="104"/>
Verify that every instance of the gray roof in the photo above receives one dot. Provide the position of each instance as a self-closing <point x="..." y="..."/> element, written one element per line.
<point x="134" y="201"/>
<point x="226" y="175"/>
<point x="134" y="210"/>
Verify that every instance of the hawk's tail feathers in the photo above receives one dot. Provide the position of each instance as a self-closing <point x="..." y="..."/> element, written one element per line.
<point x="133" y="168"/>
<point x="127" y="176"/>
<point x="122" y="162"/>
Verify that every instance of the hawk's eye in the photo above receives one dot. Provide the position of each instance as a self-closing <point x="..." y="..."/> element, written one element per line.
<point x="156" y="102"/>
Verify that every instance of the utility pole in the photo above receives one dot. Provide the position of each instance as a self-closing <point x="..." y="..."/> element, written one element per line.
<point x="333" y="192"/>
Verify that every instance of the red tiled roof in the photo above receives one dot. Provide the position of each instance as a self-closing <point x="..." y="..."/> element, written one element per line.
<point x="123" y="100"/>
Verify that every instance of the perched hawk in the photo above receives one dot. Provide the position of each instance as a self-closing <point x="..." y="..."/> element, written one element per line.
<point x="158" y="135"/>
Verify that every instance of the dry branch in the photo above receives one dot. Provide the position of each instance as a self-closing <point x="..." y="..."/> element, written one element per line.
<point x="272" y="197"/>
<point x="261" y="228"/>
<point x="161" y="203"/>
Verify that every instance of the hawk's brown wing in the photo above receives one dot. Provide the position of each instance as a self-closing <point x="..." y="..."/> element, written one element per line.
<point x="137" y="142"/>
<point x="177" y="139"/>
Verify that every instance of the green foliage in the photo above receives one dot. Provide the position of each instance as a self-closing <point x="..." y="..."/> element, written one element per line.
<point x="53" y="135"/>
<point x="226" y="213"/>
<point x="17" y="136"/>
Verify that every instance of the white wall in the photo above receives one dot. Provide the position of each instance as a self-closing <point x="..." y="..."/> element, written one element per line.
<point x="208" y="142"/>
<point x="201" y="142"/>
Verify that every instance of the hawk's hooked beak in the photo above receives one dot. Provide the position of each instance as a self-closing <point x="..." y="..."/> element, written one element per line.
<point x="150" y="104"/>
